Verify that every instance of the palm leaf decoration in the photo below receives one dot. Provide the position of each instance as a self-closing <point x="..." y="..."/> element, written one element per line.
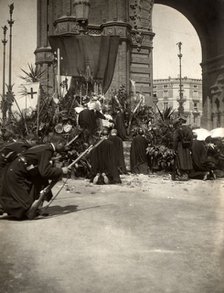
<point x="23" y="91"/>
<point x="33" y="75"/>
<point x="160" y="113"/>
<point x="167" y="113"/>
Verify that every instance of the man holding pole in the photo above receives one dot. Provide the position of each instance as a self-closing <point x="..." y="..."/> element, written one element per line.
<point x="27" y="175"/>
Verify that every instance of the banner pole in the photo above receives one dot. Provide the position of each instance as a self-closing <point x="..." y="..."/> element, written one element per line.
<point x="58" y="72"/>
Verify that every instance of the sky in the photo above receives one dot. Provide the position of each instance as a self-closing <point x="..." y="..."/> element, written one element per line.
<point x="169" y="26"/>
<point x="24" y="36"/>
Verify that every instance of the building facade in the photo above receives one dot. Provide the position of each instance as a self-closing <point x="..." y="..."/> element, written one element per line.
<point x="130" y="20"/>
<point x="167" y="93"/>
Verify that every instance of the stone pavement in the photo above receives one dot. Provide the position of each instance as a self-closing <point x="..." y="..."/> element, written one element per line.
<point x="148" y="235"/>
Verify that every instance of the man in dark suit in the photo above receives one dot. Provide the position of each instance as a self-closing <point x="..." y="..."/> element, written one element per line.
<point x="103" y="161"/>
<point x="138" y="156"/>
<point x="8" y="153"/>
<point x="27" y="175"/>
<point x="182" y="143"/>
<point x="118" y="145"/>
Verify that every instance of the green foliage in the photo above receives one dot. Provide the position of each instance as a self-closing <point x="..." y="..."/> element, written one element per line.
<point x="160" y="151"/>
<point x="33" y="75"/>
<point x="119" y="100"/>
<point x="160" y="157"/>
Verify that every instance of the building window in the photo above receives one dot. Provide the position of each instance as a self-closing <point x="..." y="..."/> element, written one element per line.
<point x="195" y="94"/>
<point x="195" y="86"/>
<point x="165" y="85"/>
<point x="165" y="105"/>
<point x="165" y="94"/>
<point x="195" y="106"/>
<point x="154" y="86"/>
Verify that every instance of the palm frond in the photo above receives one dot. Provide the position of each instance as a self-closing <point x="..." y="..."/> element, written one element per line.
<point x="160" y="113"/>
<point x="33" y="75"/>
<point x="167" y="113"/>
<point x="23" y="90"/>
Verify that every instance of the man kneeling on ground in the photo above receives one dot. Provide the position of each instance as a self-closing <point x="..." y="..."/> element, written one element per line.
<point x="104" y="168"/>
<point x="27" y="175"/>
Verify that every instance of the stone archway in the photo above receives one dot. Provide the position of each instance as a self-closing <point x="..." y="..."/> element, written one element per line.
<point x="131" y="20"/>
<point x="207" y="18"/>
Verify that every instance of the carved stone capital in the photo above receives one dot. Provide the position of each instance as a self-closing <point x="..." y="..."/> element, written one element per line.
<point x="141" y="38"/>
<point x="117" y="28"/>
<point x="66" y="25"/>
<point x="44" y="55"/>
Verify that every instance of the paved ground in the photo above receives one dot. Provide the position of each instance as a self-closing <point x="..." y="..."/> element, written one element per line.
<point x="149" y="235"/>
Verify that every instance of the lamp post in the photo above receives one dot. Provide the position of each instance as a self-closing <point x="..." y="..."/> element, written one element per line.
<point x="4" y="41"/>
<point x="10" y="95"/>
<point x="181" y="99"/>
<point x="155" y="101"/>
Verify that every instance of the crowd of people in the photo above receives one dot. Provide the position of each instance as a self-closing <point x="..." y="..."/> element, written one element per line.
<point x="27" y="165"/>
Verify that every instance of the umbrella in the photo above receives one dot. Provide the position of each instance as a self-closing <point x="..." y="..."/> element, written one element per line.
<point x="217" y="132"/>
<point x="201" y="133"/>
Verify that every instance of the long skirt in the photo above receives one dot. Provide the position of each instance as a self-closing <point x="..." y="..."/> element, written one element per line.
<point x="183" y="158"/>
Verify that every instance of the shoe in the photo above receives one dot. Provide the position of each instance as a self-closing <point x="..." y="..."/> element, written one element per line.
<point x="95" y="179"/>
<point x="206" y="176"/>
<point x="105" y="178"/>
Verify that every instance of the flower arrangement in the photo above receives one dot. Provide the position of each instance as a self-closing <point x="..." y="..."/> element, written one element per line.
<point x="160" y="157"/>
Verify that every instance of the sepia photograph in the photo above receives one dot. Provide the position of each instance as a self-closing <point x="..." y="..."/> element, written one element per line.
<point x="111" y="146"/>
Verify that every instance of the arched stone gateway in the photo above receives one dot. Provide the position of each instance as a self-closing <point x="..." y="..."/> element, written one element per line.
<point x="131" y="20"/>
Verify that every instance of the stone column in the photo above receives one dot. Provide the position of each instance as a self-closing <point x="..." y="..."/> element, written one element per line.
<point x="122" y="67"/>
<point x="213" y="87"/>
<point x="140" y="17"/>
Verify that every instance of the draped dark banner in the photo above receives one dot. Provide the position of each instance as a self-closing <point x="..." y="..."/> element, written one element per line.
<point x="92" y="56"/>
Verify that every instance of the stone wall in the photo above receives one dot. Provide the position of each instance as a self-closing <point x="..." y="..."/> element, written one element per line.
<point x="130" y="19"/>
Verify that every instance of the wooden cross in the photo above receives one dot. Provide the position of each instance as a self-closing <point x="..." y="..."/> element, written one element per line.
<point x="31" y="92"/>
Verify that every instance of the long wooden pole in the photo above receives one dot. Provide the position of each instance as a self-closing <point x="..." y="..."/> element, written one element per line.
<point x="10" y="93"/>
<point x="38" y="112"/>
<point x="4" y="41"/>
<point x="58" y="73"/>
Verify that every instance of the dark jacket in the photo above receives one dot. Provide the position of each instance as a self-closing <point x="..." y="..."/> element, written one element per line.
<point x="138" y="154"/>
<point x="183" y="138"/>
<point x="103" y="160"/>
<point x="119" y="153"/>
<point x="25" y="177"/>
<point x="88" y="119"/>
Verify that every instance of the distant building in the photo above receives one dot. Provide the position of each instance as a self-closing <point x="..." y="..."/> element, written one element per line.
<point x="167" y="92"/>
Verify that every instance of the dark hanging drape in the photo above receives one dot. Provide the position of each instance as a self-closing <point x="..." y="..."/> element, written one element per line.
<point x="91" y="57"/>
